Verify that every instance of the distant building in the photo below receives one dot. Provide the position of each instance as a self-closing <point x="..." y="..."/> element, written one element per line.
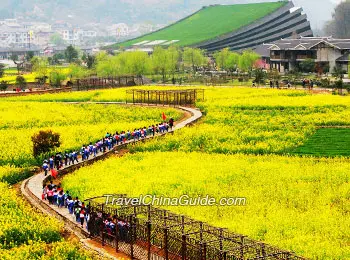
<point x="76" y="36"/>
<point x="119" y="30"/>
<point x="6" y="53"/>
<point x="287" y="54"/>
<point x="14" y="37"/>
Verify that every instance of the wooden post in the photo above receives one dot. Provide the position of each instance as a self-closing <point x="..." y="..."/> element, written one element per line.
<point x="183" y="249"/>
<point x="166" y="243"/>
<point x="204" y="254"/>
<point x="131" y="237"/>
<point x="102" y="227"/>
<point x="149" y="226"/>
<point x="263" y="252"/>
<point x="116" y="232"/>
<point x="242" y="247"/>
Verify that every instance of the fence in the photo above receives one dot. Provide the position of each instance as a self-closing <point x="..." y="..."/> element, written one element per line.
<point x="146" y="232"/>
<point x="98" y="82"/>
<point x="165" y="97"/>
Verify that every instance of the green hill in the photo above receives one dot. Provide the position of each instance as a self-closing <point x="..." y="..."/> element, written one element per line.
<point x="209" y="23"/>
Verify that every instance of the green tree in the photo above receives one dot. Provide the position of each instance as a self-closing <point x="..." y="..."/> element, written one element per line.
<point x="29" y="55"/>
<point x="21" y="82"/>
<point x="174" y="55"/>
<point x="90" y="61"/>
<point x="2" y="70"/>
<point x="44" y="142"/>
<point x="17" y="62"/>
<point x="138" y="63"/>
<point x="232" y="61"/>
<point x="222" y="58"/>
<point x="260" y="76"/>
<point x="338" y="72"/>
<point x="110" y="66"/>
<point x="56" y="78"/>
<point x="40" y="66"/>
<point x="77" y="72"/>
<point x="57" y="39"/>
<point x="3" y="85"/>
<point x="247" y="60"/>
<point x="194" y="58"/>
<point x="307" y="65"/>
<point x="70" y="54"/>
<point x="349" y="67"/>
<point x="160" y="62"/>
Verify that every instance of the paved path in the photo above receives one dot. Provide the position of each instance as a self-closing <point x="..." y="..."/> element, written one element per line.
<point x="32" y="187"/>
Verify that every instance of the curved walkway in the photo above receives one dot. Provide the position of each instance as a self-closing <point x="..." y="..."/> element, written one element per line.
<point x="32" y="187"/>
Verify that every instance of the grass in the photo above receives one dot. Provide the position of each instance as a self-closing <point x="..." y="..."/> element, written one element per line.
<point x="209" y="23"/>
<point x="327" y="142"/>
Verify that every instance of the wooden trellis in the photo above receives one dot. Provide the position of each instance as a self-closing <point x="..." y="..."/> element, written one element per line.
<point x="183" y="97"/>
<point x="98" y="82"/>
<point x="152" y="233"/>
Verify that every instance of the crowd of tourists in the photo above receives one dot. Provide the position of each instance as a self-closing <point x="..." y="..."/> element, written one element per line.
<point x="80" y="212"/>
<point x="107" y="143"/>
<point x="55" y="194"/>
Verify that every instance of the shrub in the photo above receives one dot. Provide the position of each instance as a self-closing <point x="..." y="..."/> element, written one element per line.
<point x="44" y="142"/>
<point x="21" y="82"/>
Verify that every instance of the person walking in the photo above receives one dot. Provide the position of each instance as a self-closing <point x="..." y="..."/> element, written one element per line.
<point x="45" y="167"/>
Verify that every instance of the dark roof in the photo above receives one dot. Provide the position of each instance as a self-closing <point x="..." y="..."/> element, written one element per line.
<point x="345" y="57"/>
<point x="17" y="49"/>
<point x="263" y="50"/>
<point x="311" y="42"/>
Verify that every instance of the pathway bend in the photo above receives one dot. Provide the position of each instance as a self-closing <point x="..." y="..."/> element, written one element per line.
<point x="32" y="187"/>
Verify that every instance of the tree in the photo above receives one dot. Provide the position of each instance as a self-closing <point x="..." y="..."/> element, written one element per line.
<point x="40" y="67"/>
<point x="222" y="58"/>
<point x="90" y="61"/>
<point x="338" y="72"/>
<point x="159" y="61"/>
<point x="173" y="54"/>
<point x="349" y="67"/>
<point x="29" y="55"/>
<point x="77" y="72"/>
<point x="273" y="75"/>
<point x="232" y="61"/>
<point x="70" y="54"/>
<point x="194" y="58"/>
<point x="21" y="82"/>
<point x="307" y="65"/>
<point x="339" y="26"/>
<point x="56" y="58"/>
<point x="247" y="60"/>
<point x="44" y="142"/>
<point x="260" y="76"/>
<point x="56" y="78"/>
<point x="2" y="70"/>
<point x="57" y="40"/>
<point x="19" y="64"/>
<point x="110" y="66"/>
<point x="138" y="63"/>
<point x="3" y="85"/>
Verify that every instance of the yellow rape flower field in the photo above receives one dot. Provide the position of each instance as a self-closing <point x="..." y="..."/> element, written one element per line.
<point x="246" y="145"/>
<point x="297" y="204"/>
<point x="24" y="233"/>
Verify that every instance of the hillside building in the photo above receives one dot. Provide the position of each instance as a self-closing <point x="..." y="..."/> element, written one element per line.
<point x="327" y="52"/>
